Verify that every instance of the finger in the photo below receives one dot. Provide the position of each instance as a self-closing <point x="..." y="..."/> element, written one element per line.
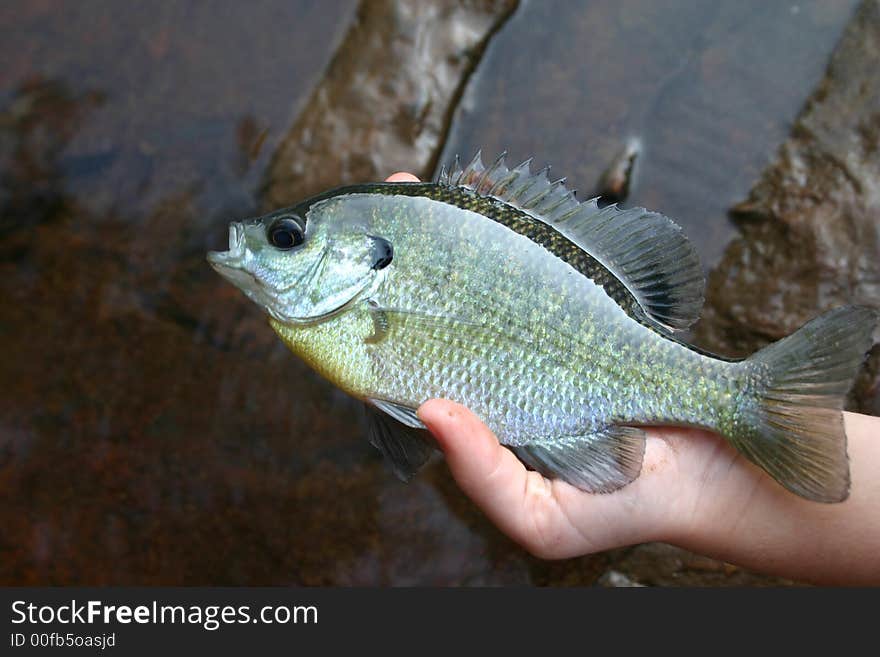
<point x="401" y="176"/>
<point x="519" y="502"/>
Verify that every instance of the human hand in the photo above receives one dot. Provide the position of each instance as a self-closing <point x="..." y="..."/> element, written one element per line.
<point x="694" y="490"/>
<point x="553" y="519"/>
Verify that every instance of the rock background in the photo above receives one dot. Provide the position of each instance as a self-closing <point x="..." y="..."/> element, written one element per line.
<point x="810" y="227"/>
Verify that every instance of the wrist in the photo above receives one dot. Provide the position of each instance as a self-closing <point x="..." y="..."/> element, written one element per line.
<point x="731" y="510"/>
<point x="673" y="506"/>
<point x="701" y="486"/>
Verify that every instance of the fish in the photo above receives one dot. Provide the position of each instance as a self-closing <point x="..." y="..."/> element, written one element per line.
<point x="556" y="321"/>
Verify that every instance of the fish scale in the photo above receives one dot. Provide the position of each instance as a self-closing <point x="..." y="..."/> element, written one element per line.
<point x="563" y="405"/>
<point x="553" y="320"/>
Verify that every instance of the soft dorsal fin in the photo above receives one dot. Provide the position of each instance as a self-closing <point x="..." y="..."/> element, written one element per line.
<point x="645" y="250"/>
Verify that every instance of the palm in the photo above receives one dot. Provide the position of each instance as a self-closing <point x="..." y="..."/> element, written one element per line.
<point x="682" y="470"/>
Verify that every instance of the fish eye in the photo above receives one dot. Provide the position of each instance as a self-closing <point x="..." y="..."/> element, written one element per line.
<point x="383" y="253"/>
<point x="285" y="233"/>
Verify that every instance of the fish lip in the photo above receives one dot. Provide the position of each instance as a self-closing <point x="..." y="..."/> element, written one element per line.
<point x="232" y="258"/>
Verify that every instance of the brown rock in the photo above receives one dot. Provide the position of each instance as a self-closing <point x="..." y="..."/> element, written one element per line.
<point x="660" y="564"/>
<point x="811" y="226"/>
<point x="386" y="101"/>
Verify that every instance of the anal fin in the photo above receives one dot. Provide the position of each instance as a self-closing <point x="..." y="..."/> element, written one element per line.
<point x="598" y="462"/>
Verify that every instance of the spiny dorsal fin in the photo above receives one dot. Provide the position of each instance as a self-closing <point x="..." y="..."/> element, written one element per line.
<point x="645" y="250"/>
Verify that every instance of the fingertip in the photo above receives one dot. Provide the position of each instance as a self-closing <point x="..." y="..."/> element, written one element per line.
<point x="472" y="450"/>
<point x="438" y="412"/>
<point x="401" y="176"/>
<point x="430" y="411"/>
<point x="456" y="428"/>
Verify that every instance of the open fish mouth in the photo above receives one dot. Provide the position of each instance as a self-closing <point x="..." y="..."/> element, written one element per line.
<point x="234" y="257"/>
<point x="230" y="265"/>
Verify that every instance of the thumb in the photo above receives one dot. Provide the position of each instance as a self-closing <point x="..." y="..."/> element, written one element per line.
<point x="472" y="451"/>
<point x="488" y="473"/>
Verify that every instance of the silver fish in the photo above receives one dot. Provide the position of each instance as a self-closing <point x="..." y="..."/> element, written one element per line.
<point x="553" y="320"/>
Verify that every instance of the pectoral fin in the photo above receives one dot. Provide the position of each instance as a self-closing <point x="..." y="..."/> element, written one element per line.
<point x="380" y="323"/>
<point x="598" y="462"/>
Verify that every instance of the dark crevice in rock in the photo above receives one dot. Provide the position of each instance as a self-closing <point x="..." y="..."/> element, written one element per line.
<point x="474" y="59"/>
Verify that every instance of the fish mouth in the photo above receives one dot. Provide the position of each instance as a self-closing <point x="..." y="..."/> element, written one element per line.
<point x="234" y="257"/>
<point x="231" y="264"/>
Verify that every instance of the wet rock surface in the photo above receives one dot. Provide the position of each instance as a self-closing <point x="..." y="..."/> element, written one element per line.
<point x="386" y="100"/>
<point x="658" y="564"/>
<point x="709" y="89"/>
<point x="195" y="97"/>
<point x="153" y="430"/>
<point x="810" y="228"/>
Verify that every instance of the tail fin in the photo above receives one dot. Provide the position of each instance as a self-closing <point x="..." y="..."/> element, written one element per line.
<point x="795" y="431"/>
